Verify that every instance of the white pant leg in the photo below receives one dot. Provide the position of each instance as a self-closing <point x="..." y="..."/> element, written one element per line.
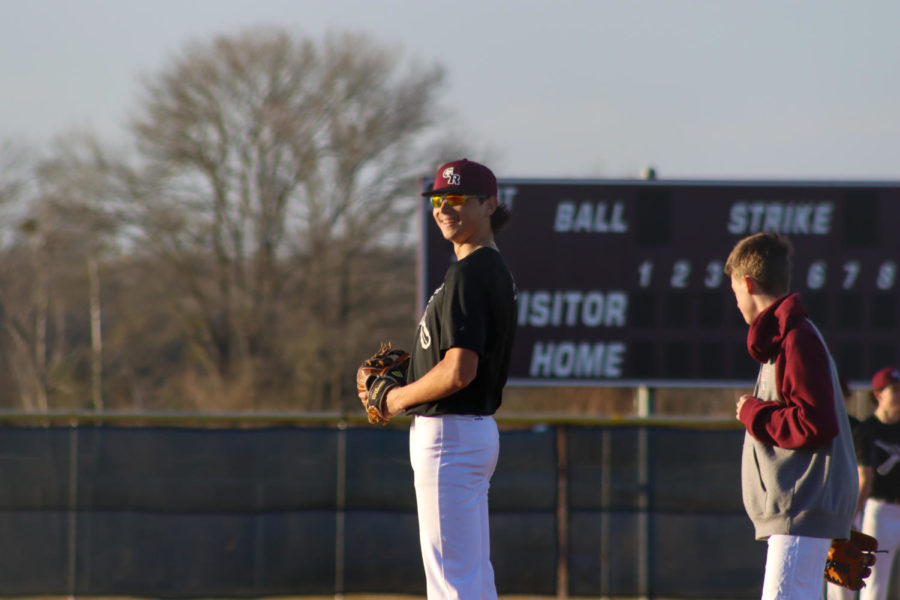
<point x="881" y="520"/>
<point x="836" y="592"/>
<point x="488" y="587"/>
<point x="453" y="459"/>
<point x="794" y="567"/>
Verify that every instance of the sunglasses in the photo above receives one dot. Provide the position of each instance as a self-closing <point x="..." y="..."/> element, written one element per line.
<point x="452" y="199"/>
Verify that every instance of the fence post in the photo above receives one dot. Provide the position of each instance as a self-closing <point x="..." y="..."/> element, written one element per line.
<point x="341" y="500"/>
<point x="562" y="514"/>
<point x="644" y="572"/>
<point x="71" y="571"/>
<point x="605" y="518"/>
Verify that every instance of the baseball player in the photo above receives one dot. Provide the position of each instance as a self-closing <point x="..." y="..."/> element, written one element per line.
<point x="879" y="489"/>
<point x="454" y="383"/>
<point x="798" y="469"/>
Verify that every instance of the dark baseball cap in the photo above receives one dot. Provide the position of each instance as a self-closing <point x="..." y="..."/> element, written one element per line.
<point x="463" y="176"/>
<point x="885" y="377"/>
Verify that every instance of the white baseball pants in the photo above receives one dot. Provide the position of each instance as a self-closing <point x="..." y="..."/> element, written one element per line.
<point x="453" y="458"/>
<point x="794" y="567"/>
<point x="881" y="520"/>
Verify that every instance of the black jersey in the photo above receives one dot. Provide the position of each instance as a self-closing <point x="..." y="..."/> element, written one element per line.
<point x="879" y="448"/>
<point x="474" y="308"/>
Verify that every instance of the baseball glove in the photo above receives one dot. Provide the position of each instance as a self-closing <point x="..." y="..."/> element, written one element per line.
<point x="850" y="561"/>
<point x="384" y="370"/>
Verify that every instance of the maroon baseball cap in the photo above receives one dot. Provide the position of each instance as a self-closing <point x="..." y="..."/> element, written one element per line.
<point x="885" y="377"/>
<point x="463" y="176"/>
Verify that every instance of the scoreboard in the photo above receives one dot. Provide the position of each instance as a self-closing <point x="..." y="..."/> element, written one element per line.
<point x="620" y="283"/>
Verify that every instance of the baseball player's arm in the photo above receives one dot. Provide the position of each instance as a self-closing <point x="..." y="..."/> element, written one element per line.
<point x="806" y="417"/>
<point x="866" y="474"/>
<point x="454" y="372"/>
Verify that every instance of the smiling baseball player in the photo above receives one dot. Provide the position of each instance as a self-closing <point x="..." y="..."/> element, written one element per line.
<point x="454" y="385"/>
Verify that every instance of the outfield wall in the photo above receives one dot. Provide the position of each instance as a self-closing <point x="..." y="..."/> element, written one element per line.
<point x="609" y="508"/>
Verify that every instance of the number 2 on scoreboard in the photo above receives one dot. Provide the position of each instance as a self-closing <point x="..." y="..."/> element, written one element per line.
<point x="681" y="272"/>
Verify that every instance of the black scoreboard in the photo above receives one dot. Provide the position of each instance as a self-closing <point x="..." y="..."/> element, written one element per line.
<point x="620" y="283"/>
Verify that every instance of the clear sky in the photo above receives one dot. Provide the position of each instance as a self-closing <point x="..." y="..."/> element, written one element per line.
<point x="761" y="89"/>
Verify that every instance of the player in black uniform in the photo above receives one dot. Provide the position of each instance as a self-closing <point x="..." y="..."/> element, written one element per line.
<point x="455" y="380"/>
<point x="879" y="486"/>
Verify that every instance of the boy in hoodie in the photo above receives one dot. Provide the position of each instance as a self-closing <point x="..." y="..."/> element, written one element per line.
<point x="798" y="470"/>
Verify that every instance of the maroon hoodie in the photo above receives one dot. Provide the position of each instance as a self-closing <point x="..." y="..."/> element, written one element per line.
<point x="805" y="417"/>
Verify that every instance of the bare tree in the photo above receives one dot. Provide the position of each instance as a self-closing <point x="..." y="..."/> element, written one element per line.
<point x="19" y="355"/>
<point x="73" y="231"/>
<point x="57" y="235"/>
<point x="272" y="166"/>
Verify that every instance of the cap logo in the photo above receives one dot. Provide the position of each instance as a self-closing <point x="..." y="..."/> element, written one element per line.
<point x="451" y="176"/>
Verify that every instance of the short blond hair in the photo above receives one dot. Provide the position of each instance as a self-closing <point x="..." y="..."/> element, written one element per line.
<point x="765" y="258"/>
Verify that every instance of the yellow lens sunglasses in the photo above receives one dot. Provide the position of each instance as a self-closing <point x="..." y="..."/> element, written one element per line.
<point x="452" y="199"/>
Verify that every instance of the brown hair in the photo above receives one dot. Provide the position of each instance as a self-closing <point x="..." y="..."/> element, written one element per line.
<point x="499" y="218"/>
<point x="765" y="258"/>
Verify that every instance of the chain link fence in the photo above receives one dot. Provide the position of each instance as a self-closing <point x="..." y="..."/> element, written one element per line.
<point x="269" y="506"/>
